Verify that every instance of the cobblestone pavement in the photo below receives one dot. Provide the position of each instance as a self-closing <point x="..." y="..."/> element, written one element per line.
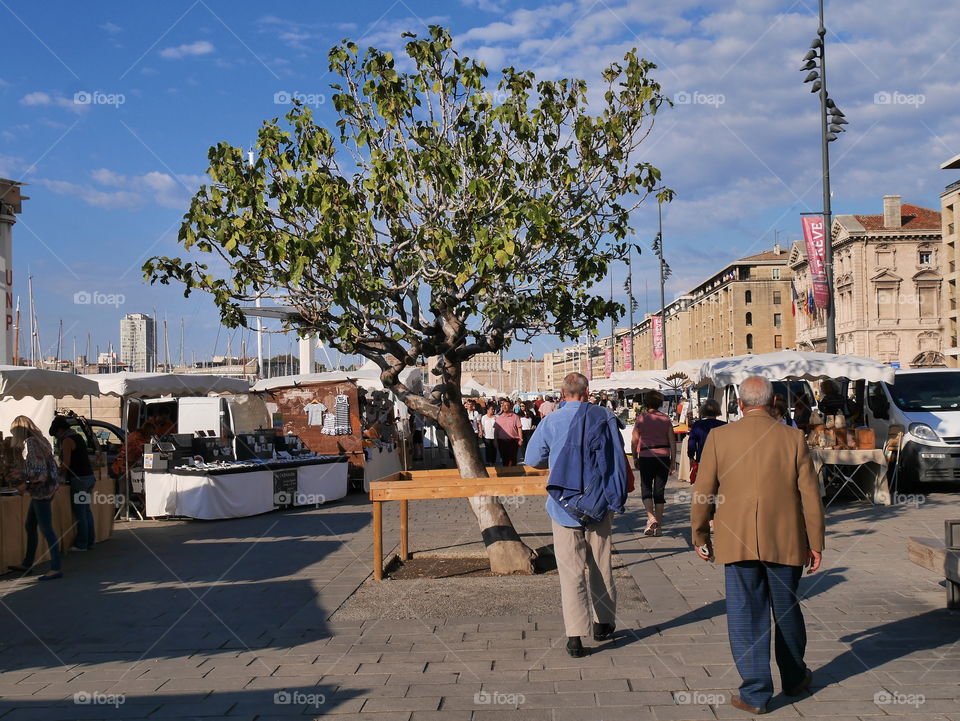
<point x="230" y="620"/>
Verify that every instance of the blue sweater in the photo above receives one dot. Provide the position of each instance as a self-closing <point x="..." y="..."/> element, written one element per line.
<point x="588" y="468"/>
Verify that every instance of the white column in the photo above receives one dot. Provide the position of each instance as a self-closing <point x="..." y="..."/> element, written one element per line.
<point x="6" y="287"/>
<point x="306" y="354"/>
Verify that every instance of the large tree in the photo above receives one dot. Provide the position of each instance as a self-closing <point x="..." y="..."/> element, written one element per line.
<point x="439" y="218"/>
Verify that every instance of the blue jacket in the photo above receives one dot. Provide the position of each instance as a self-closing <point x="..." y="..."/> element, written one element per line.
<point x="588" y="468"/>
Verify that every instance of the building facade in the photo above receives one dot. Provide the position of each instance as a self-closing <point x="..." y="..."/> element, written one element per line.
<point x="138" y="342"/>
<point x="950" y="263"/>
<point x="887" y="287"/>
<point x="746" y="307"/>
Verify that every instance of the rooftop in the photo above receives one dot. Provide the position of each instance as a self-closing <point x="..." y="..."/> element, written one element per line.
<point x="912" y="217"/>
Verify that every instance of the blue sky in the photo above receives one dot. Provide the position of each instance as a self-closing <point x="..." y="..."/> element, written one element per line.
<point x="107" y="110"/>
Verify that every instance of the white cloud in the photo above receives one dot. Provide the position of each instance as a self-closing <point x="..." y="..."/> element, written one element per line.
<point x="200" y="47"/>
<point x="154" y="187"/>
<point x="42" y="99"/>
<point x="111" y="28"/>
<point x="489" y="6"/>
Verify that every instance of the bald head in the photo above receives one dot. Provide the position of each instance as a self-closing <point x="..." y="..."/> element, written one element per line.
<point x="575" y="387"/>
<point x="756" y="392"/>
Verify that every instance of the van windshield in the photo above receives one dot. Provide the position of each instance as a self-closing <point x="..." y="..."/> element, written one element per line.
<point x="926" y="391"/>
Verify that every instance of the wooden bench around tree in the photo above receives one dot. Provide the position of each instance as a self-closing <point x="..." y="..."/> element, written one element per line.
<point x="444" y="483"/>
<point x="941" y="557"/>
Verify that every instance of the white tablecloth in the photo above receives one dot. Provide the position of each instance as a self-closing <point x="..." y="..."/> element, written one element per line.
<point x="235" y="495"/>
<point x="867" y="467"/>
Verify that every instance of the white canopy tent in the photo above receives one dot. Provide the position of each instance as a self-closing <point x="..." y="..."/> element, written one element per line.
<point x="792" y="365"/>
<point x="475" y="389"/>
<point x="157" y="385"/>
<point x="23" y="382"/>
<point x="32" y="392"/>
<point x="631" y="381"/>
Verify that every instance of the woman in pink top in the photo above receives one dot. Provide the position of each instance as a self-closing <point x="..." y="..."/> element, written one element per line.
<point x="654" y="450"/>
<point x="509" y="433"/>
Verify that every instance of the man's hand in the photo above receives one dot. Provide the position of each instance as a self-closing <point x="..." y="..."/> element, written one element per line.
<point x="706" y="551"/>
<point x="813" y="562"/>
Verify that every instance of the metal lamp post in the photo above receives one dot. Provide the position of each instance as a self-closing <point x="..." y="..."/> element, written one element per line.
<point x="832" y="121"/>
<point x="664" y="272"/>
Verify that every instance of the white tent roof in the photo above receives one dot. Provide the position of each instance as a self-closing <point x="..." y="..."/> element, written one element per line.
<point x="793" y="365"/>
<point x="472" y="388"/>
<point x="631" y="380"/>
<point x="24" y="382"/>
<point x="368" y="376"/>
<point x="155" y="385"/>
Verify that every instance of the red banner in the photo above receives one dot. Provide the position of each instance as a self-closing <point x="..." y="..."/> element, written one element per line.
<point x="608" y="362"/>
<point x="587" y="365"/>
<point x="627" y="342"/>
<point x="815" y="240"/>
<point x="657" y="325"/>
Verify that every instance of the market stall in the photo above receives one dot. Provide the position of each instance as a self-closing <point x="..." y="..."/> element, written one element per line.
<point x="844" y="457"/>
<point x="347" y="413"/>
<point x="32" y="392"/>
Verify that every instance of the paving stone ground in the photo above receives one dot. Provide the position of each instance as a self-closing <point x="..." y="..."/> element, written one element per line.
<point x="231" y="619"/>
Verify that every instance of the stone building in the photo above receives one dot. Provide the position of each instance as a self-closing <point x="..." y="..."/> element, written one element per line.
<point x="950" y="262"/>
<point x="746" y="307"/>
<point x="887" y="286"/>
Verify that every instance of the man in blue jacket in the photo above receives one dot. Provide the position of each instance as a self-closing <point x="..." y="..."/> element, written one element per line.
<point x="586" y="486"/>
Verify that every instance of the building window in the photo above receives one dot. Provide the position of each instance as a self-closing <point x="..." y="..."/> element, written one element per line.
<point x="749" y="318"/>
<point x="776" y="297"/>
<point x="777" y="319"/>
<point x="887" y="303"/>
<point x="926" y="257"/>
<point x="748" y="296"/>
<point x="928" y="302"/>
<point x="776" y="274"/>
<point x="749" y="341"/>
<point x="778" y="341"/>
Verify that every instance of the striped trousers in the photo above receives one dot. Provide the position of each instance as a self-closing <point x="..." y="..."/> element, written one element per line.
<point x="754" y="590"/>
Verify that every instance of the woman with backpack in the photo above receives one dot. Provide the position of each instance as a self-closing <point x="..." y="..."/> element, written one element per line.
<point x="39" y="476"/>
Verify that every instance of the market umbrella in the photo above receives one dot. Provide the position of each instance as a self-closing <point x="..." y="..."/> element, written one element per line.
<point x="792" y="365"/>
<point x="631" y="380"/>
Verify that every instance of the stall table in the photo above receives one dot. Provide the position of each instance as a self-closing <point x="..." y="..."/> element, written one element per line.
<point x="864" y="470"/>
<point x="235" y="493"/>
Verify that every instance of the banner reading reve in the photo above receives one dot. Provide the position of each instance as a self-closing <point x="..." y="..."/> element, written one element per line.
<point x="657" y="325"/>
<point x="815" y="240"/>
<point x="627" y="352"/>
<point x="608" y="362"/>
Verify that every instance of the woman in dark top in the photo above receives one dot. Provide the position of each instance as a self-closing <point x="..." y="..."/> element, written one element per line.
<point x="699" y="432"/>
<point x="77" y="471"/>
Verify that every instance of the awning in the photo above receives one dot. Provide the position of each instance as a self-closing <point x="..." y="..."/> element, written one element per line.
<point x="793" y="365"/>
<point x="26" y="382"/>
<point x="156" y="385"/>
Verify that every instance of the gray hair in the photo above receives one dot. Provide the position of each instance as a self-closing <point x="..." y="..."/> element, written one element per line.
<point x="756" y="391"/>
<point x="574" y="385"/>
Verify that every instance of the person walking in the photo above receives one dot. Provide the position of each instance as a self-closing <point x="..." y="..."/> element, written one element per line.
<point x="587" y="484"/>
<point x="38" y="475"/>
<point x="77" y="472"/>
<point x="699" y="431"/>
<point x="654" y="451"/>
<point x="508" y="433"/>
<point x="488" y="434"/>
<point x="769" y="524"/>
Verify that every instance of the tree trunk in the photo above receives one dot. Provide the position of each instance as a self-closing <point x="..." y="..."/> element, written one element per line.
<point x="506" y="551"/>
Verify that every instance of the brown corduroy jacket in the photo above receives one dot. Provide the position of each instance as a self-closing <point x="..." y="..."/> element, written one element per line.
<point x="758" y="473"/>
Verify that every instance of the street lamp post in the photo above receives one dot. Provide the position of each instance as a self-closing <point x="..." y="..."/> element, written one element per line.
<point x="663" y="279"/>
<point x="832" y="121"/>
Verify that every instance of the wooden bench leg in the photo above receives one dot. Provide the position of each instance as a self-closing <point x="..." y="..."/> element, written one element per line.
<point x="404" y="531"/>
<point x="378" y="540"/>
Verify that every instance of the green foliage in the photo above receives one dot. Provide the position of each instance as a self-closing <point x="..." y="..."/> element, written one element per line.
<point x="436" y="218"/>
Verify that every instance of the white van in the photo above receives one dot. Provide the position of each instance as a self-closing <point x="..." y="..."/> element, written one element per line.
<point x="728" y="397"/>
<point x="926" y="404"/>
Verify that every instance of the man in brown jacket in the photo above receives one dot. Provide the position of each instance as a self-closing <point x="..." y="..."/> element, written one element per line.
<point x="757" y="482"/>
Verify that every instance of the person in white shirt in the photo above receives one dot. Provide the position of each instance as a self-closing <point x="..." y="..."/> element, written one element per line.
<point x="488" y="425"/>
<point x="474" y="415"/>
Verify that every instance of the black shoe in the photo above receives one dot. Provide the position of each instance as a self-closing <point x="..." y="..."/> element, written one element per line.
<point x="575" y="647"/>
<point x="603" y="631"/>
<point x="802" y="686"/>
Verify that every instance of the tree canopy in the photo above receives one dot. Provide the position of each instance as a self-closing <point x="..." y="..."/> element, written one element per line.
<point x="441" y="216"/>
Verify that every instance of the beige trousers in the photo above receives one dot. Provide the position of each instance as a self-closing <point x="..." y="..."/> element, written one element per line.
<point x="587" y="592"/>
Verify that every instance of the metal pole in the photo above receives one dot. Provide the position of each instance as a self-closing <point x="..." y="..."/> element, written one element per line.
<point x="663" y="309"/>
<point x="831" y="319"/>
<point x="613" y="330"/>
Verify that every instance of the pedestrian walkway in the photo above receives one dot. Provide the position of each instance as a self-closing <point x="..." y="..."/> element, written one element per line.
<point x="230" y="619"/>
